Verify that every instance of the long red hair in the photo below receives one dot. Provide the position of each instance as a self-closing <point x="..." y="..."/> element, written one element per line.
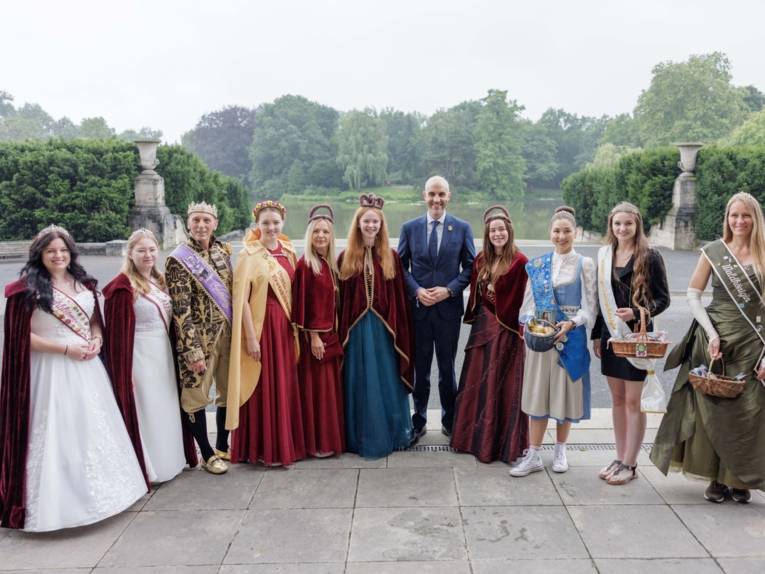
<point x="353" y="257"/>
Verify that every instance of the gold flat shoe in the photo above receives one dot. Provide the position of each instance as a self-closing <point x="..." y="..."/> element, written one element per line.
<point x="223" y="454"/>
<point x="214" y="465"/>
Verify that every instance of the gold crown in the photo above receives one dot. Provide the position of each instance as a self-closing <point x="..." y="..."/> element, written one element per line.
<point x="315" y="213"/>
<point x="371" y="200"/>
<point x="202" y="207"/>
<point x="268" y="204"/>
<point x="500" y="210"/>
<point x="50" y="229"/>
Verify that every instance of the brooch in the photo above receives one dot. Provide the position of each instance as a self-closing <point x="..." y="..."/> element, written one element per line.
<point x="450" y="227"/>
<point x="537" y="263"/>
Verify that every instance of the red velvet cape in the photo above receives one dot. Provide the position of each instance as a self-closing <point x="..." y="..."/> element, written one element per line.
<point x="389" y="304"/>
<point x="119" y="338"/>
<point x="313" y="297"/>
<point x="15" y="401"/>
<point x="508" y="291"/>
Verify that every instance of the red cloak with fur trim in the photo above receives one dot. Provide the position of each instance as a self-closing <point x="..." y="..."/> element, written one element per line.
<point x="390" y="305"/>
<point x="15" y="403"/>
<point x="119" y="339"/>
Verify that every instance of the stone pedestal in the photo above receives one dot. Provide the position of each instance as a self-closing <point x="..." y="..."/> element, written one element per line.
<point x="150" y="211"/>
<point x="677" y="230"/>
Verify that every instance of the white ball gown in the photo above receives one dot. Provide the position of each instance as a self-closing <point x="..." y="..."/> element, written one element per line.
<point x="156" y="390"/>
<point x="81" y="465"/>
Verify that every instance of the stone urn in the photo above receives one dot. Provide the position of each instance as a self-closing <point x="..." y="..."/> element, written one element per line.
<point x="147" y="149"/>
<point x="688" y="153"/>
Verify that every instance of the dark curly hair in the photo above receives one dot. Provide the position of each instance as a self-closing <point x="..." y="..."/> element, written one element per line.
<point x="39" y="286"/>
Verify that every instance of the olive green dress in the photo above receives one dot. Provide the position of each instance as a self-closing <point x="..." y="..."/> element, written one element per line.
<point x="710" y="437"/>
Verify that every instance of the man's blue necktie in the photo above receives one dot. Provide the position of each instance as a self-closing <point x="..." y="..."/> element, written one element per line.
<point x="433" y="242"/>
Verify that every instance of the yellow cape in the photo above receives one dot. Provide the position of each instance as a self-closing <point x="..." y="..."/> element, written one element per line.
<point x="255" y="270"/>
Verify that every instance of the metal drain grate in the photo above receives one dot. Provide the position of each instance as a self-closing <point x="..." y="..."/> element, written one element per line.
<point x="581" y="447"/>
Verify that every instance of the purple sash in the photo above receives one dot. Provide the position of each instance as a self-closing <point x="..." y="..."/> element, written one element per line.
<point x="206" y="277"/>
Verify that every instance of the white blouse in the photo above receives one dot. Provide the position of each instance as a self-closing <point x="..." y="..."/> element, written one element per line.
<point x="563" y="272"/>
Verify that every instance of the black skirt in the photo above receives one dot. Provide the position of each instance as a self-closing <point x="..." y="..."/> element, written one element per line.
<point x="617" y="367"/>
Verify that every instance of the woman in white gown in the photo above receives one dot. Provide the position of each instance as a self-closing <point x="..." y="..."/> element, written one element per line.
<point x="138" y="351"/>
<point x="66" y="458"/>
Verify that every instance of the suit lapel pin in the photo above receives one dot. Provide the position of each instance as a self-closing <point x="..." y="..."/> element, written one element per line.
<point x="450" y="227"/>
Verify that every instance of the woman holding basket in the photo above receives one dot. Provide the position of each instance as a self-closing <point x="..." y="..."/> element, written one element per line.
<point x="721" y="439"/>
<point x="630" y="276"/>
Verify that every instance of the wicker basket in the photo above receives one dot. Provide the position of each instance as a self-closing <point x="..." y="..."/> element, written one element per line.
<point x="717" y="385"/>
<point x="640" y="346"/>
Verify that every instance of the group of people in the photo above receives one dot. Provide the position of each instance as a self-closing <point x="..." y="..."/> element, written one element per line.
<point x="316" y="356"/>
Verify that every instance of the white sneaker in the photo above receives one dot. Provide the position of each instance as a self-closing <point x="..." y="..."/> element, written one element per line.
<point x="560" y="464"/>
<point x="532" y="462"/>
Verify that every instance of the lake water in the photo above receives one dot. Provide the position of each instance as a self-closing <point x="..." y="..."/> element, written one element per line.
<point x="530" y="219"/>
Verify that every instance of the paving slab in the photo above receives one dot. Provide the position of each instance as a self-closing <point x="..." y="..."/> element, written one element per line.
<point x="727" y="530"/>
<point x="676" y="488"/>
<point x="318" y="488"/>
<point x="141" y="502"/>
<point x="407" y="487"/>
<point x="50" y="570"/>
<point x="634" y="532"/>
<point x="159" y="570"/>
<point x="533" y="566"/>
<point x="414" y="459"/>
<point x="585" y="456"/>
<point x="491" y="485"/>
<point x="742" y="565"/>
<point x="658" y="566"/>
<point x="284" y="569"/>
<point x="521" y="532"/>
<point x="582" y="485"/>
<point x="346" y="460"/>
<point x="71" y="548"/>
<point x="416" y="534"/>
<point x="291" y="536"/>
<point x="175" y="538"/>
<point x="200" y="490"/>
<point x="435" y="567"/>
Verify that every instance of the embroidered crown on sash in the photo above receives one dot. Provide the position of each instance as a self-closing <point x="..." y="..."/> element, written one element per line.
<point x="202" y="207"/>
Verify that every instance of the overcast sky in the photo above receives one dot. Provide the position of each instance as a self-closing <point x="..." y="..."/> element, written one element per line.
<point x="164" y="63"/>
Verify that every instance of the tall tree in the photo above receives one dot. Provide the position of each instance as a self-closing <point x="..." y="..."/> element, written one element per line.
<point x="576" y="138"/>
<point x="289" y="130"/>
<point x="96" y="129"/>
<point x="753" y="98"/>
<point x="621" y="130"/>
<point x="222" y="139"/>
<point x="449" y="142"/>
<point x="499" y="163"/>
<point x="690" y="101"/>
<point x="362" y="148"/>
<point x="539" y="151"/>
<point x="29" y="122"/>
<point x="751" y="132"/>
<point x="144" y="133"/>
<point x="405" y="145"/>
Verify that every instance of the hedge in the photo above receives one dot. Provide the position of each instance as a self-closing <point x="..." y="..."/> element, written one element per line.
<point x="87" y="186"/>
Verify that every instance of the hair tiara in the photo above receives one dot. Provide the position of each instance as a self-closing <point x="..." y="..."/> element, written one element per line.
<point x="371" y="200"/>
<point x="496" y="211"/>
<point x="328" y="213"/>
<point x="268" y="204"/>
<point x="52" y="228"/>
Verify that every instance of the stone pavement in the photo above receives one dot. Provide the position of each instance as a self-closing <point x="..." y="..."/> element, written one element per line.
<point x="430" y="511"/>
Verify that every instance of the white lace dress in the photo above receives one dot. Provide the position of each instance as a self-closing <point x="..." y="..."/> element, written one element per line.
<point x="81" y="465"/>
<point x="156" y="390"/>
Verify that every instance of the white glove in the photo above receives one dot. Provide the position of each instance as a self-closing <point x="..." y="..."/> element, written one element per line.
<point x="700" y="313"/>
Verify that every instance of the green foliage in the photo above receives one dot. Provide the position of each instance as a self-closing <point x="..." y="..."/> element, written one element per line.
<point x="499" y="163"/>
<point x="690" y="101"/>
<point x="405" y="145"/>
<point x="721" y="172"/>
<point x="751" y="132"/>
<point x="621" y="130"/>
<point x="753" y="98"/>
<point x="222" y="140"/>
<point x="644" y="178"/>
<point x="449" y="142"/>
<point x="362" y="149"/>
<point x="87" y="186"/>
<point x="293" y="130"/>
<point x="539" y="152"/>
<point x="95" y="129"/>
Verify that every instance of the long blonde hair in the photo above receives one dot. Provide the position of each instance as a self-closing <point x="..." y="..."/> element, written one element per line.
<point x="641" y="294"/>
<point x="311" y="257"/>
<point x="137" y="281"/>
<point x="757" y="238"/>
<point x="353" y="258"/>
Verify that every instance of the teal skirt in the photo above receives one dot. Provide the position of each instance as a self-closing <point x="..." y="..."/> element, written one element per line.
<point x="377" y="419"/>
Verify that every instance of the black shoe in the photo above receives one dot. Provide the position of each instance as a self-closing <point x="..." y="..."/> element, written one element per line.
<point x="716" y="492"/>
<point x="445" y="431"/>
<point x="417" y="434"/>
<point x="741" y="495"/>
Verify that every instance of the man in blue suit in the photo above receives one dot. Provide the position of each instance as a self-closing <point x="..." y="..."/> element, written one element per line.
<point x="437" y="253"/>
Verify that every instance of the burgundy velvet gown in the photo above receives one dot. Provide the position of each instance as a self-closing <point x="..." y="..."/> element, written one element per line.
<point x="488" y="421"/>
<point x="270" y="422"/>
<point x="314" y="309"/>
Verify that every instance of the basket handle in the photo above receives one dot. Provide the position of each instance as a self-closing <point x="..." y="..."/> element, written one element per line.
<point x="711" y="364"/>
<point x="644" y="318"/>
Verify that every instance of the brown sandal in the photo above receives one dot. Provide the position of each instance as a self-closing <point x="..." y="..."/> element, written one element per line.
<point x="622" y="475"/>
